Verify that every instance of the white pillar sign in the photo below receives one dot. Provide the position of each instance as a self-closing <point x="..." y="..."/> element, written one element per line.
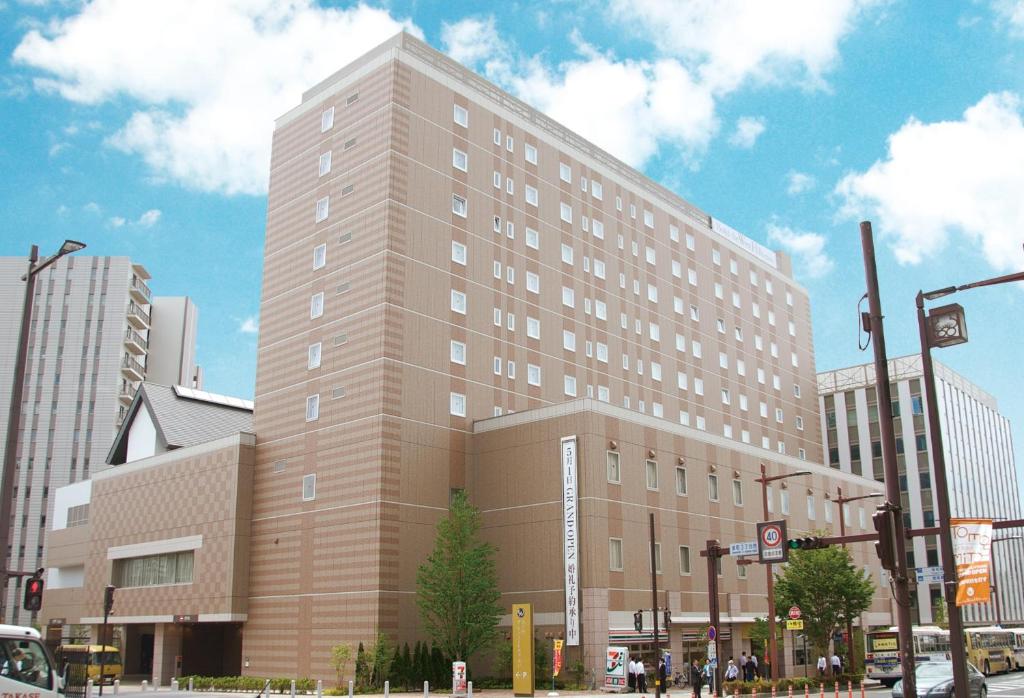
<point x="570" y="542"/>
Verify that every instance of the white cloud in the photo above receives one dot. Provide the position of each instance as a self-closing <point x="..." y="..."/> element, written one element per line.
<point x="210" y="76"/>
<point x="748" y="128"/>
<point x="948" y="177"/>
<point x="799" y="182"/>
<point x="91" y="207"/>
<point x="117" y="221"/>
<point x="807" y="249"/>
<point x="1012" y="13"/>
<point x="63" y="211"/>
<point x="730" y="41"/>
<point x="470" y="40"/>
<point x="149" y="218"/>
<point x="56" y="149"/>
<point x="250" y="325"/>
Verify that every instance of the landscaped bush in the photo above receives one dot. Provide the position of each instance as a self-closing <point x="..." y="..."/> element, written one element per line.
<point x="798" y="683"/>
<point x="246" y="683"/>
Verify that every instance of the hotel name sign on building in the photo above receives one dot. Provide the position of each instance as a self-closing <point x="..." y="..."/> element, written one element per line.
<point x="570" y="541"/>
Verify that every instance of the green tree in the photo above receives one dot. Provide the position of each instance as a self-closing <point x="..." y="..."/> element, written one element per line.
<point x="379" y="662"/>
<point x="408" y="673"/>
<point x="939" y="614"/>
<point x="341" y="655"/>
<point x="362" y="677"/>
<point x="827" y="587"/>
<point x="457" y="587"/>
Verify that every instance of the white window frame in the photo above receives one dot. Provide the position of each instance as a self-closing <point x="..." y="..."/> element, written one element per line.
<point x="458" y="253"/>
<point x="530" y="153"/>
<point x="316" y="305"/>
<point x="323" y="208"/>
<point x="313" y="408"/>
<point x="319" y="257"/>
<point x="458" y="302"/>
<point x="457" y="404"/>
<point x="458" y="352"/>
<point x="327" y="120"/>
<point x="460" y="160"/>
<point x="325" y="163"/>
<point x="460" y="207"/>
<point x="309" y="487"/>
<point x="314" y="355"/>
<point x="460" y="115"/>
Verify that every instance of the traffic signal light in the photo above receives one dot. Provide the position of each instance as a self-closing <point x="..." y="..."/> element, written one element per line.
<point x="33" y="594"/>
<point x="108" y="599"/>
<point x="638" y="621"/>
<point x="884" y="522"/>
<point x="808" y="543"/>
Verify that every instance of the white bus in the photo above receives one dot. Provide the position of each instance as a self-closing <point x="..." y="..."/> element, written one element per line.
<point x="1018" y="649"/>
<point x="26" y="667"/>
<point x="882" y="651"/>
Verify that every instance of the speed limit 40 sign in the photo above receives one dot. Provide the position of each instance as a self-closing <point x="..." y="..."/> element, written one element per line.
<point x="771" y="542"/>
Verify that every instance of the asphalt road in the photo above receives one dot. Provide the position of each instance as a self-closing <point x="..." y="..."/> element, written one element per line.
<point x="999" y="686"/>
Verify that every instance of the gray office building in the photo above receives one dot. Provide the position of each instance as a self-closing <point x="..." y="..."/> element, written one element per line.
<point x="95" y="330"/>
<point x="979" y="457"/>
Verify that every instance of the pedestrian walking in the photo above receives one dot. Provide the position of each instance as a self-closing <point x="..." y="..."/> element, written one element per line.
<point x="837" y="664"/>
<point x="822" y="665"/>
<point x="709" y="677"/>
<point x="732" y="671"/>
<point x="755" y="672"/>
<point x="744" y="666"/>
<point x="696" y="678"/>
<point x="641" y="676"/>
<point x="663" y="676"/>
<point x="632" y="675"/>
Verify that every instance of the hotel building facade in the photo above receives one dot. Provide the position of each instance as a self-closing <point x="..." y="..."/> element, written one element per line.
<point x="457" y="290"/>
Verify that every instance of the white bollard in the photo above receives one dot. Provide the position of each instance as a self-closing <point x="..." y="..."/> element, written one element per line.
<point x="293" y="688"/>
<point x="117" y="686"/>
<point x="469" y="689"/>
<point x="174" y="684"/>
<point x="190" y="684"/>
<point x="144" y="686"/>
<point x="387" y="689"/>
<point x="319" y="688"/>
<point x="88" y="689"/>
<point x="351" y="687"/>
<point x="426" y="689"/>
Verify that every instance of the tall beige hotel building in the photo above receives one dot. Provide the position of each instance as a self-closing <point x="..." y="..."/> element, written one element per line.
<point x="457" y="289"/>
<point x="461" y="294"/>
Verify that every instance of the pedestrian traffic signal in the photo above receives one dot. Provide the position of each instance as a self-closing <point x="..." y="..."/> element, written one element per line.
<point x="808" y="543"/>
<point x="33" y="594"/>
<point x="638" y="621"/>
<point x="884" y="521"/>
<point x="108" y="599"/>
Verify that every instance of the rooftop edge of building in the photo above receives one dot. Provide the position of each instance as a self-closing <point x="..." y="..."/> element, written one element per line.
<point x="403" y="45"/>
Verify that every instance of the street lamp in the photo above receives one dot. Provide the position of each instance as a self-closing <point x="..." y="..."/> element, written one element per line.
<point x="35" y="265"/>
<point x="842" y="501"/>
<point x="995" y="582"/>
<point x="945" y="326"/>
<point x="773" y="650"/>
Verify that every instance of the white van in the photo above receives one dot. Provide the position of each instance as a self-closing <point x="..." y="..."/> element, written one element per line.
<point x="26" y="667"/>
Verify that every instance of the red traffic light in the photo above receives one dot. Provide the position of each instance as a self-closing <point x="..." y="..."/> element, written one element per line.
<point x="33" y="594"/>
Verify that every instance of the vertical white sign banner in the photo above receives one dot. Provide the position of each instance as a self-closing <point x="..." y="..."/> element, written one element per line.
<point x="570" y="542"/>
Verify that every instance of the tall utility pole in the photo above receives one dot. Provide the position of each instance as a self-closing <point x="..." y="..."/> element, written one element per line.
<point x="900" y="578"/>
<point x="842" y="502"/>
<point x="654" y="613"/>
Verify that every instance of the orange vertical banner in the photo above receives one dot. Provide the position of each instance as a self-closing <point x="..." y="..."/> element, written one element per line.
<point x="972" y="552"/>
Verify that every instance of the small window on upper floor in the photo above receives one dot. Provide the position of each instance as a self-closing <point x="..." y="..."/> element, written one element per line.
<point x="458" y="253"/>
<point x="564" y="172"/>
<point x="309" y="487"/>
<point x="497" y="136"/>
<point x="459" y="206"/>
<point x="313" y="358"/>
<point x="327" y="120"/>
<point x="532" y="197"/>
<point x="319" y="256"/>
<point x="531" y="153"/>
<point x="649" y="218"/>
<point x="460" y="115"/>
<point x="316" y="305"/>
<point x="460" y="160"/>
<point x="597" y="190"/>
<point x="325" y="163"/>
<point x="509" y="144"/>
<point x="457" y="404"/>
<point x="322" y="208"/>
<point x="312" y="408"/>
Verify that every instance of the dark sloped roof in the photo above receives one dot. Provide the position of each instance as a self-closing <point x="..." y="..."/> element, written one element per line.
<point x="183" y="417"/>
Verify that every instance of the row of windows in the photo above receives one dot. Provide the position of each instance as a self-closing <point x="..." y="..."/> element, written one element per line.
<point x="615" y="559"/>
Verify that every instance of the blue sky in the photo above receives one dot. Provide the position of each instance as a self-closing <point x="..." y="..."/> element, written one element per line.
<point x="143" y="128"/>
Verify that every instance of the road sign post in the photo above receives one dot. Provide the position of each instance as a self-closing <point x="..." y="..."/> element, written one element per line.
<point x="794" y="612"/>
<point x="771" y="543"/>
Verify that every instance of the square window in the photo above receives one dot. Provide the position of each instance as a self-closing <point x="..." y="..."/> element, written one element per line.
<point x="531" y="153"/>
<point x="597" y="227"/>
<point x="567" y="254"/>
<point x="313" y="358"/>
<point x="327" y="120"/>
<point x="565" y="211"/>
<point x="569" y="386"/>
<point x="532" y="197"/>
<point x="600" y="309"/>
<point x="459" y="206"/>
<point x="460" y="115"/>
<point x="458" y="253"/>
<point x="312" y="408"/>
<point x="597" y="190"/>
<point x="458" y="302"/>
<point x="564" y="172"/>
<point x="568" y="297"/>
<point x="602" y="393"/>
<point x="309" y="487"/>
<point x="533" y="328"/>
<point x="457" y="404"/>
<point x="648" y="218"/>
<point x="533" y="374"/>
<point x="325" y="163"/>
<point x="460" y="160"/>
<point x="532" y="239"/>
<point x="458" y="353"/>
<point x="654" y="332"/>
<point x="316" y="306"/>
<point x="319" y="256"/>
<point x="322" y="208"/>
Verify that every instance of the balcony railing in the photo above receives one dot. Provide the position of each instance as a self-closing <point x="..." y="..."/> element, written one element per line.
<point x="137" y="316"/>
<point x="139" y="289"/>
<point x="135" y="342"/>
<point x="133" y="368"/>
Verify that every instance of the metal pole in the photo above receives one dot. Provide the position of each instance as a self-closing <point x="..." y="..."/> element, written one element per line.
<point x="14" y="420"/>
<point x="901" y="589"/>
<point x="654" y="613"/>
<point x="773" y="651"/>
<point x="995" y="584"/>
<point x="714" y="612"/>
<point x="957" y="646"/>
<point x="103" y="646"/>
<point x="849" y="621"/>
